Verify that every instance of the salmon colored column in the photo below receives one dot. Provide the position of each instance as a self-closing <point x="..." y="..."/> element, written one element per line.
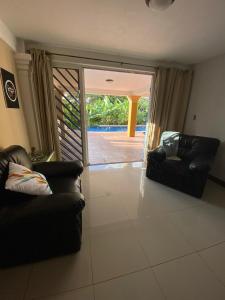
<point x="132" y="118"/>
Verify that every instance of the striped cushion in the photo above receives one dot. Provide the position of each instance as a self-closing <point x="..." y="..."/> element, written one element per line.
<point x="24" y="180"/>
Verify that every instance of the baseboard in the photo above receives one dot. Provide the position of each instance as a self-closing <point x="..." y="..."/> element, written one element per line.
<point x="217" y="180"/>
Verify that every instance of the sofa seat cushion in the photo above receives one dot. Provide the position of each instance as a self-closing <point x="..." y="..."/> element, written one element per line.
<point x="37" y="208"/>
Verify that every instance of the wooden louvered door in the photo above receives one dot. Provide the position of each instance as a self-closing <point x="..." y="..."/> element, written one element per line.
<point x="68" y="106"/>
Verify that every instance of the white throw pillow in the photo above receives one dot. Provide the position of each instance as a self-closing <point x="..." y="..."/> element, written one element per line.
<point x="24" y="180"/>
<point x="170" y="142"/>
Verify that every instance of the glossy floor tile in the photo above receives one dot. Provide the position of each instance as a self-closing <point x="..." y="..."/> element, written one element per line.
<point x="106" y="210"/>
<point x="139" y="285"/>
<point x="189" y="278"/>
<point x="215" y="259"/>
<point x="141" y="240"/>
<point x="105" y="181"/>
<point x="160" y="240"/>
<point x="115" y="251"/>
<point x="79" y="294"/>
<point x="61" y="274"/>
<point x="13" y="282"/>
<point x="12" y="296"/>
<point x="203" y="225"/>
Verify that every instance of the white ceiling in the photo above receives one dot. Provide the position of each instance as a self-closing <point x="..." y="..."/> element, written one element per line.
<point x="188" y="32"/>
<point x="124" y="84"/>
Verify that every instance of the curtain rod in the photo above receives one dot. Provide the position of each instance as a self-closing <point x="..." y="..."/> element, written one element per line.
<point x="100" y="59"/>
<point x="156" y="66"/>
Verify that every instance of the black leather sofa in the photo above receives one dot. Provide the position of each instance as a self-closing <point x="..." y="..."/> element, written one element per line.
<point x="188" y="170"/>
<point x="38" y="227"/>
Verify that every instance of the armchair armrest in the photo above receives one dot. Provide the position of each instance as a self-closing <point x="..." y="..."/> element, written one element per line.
<point x="45" y="206"/>
<point x="201" y="164"/>
<point x="59" y="168"/>
<point x="58" y="203"/>
<point x="158" y="154"/>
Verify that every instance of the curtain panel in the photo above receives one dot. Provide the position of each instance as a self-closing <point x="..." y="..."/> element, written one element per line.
<point x="170" y="97"/>
<point x="42" y="81"/>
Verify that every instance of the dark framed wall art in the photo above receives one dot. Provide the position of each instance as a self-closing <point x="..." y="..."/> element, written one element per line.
<point x="9" y="89"/>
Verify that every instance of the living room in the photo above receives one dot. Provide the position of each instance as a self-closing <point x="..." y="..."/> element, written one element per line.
<point x="152" y="229"/>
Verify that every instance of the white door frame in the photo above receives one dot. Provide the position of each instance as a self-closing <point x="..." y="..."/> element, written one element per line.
<point x="73" y="63"/>
<point x="83" y="117"/>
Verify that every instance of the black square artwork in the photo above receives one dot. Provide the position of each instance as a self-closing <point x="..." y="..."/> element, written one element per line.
<point x="9" y="89"/>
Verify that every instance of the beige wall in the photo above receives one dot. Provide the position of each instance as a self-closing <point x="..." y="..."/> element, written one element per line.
<point x="12" y="124"/>
<point x="208" y="104"/>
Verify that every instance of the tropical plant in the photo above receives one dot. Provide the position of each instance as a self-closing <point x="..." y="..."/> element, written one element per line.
<point x="113" y="110"/>
<point x="143" y="109"/>
<point x="71" y="112"/>
<point x="103" y="110"/>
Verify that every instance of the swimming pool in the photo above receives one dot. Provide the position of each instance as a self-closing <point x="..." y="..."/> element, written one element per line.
<point x="115" y="128"/>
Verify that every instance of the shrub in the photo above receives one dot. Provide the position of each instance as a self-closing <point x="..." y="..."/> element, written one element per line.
<point x="104" y="110"/>
<point x="113" y="110"/>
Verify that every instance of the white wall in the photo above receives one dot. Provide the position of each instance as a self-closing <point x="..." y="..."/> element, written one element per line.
<point x="207" y="102"/>
<point x="23" y="72"/>
<point x="7" y="36"/>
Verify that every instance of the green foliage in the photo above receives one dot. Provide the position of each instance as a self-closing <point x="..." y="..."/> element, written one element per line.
<point x="103" y="110"/>
<point x="71" y="112"/>
<point x="142" y="113"/>
<point x="107" y="110"/>
<point x="113" y="110"/>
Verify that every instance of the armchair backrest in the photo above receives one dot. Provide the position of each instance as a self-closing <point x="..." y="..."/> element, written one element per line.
<point x="16" y="154"/>
<point x="191" y="147"/>
<point x="188" y="147"/>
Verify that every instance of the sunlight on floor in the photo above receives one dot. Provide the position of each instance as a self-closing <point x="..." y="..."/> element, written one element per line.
<point x="112" y="147"/>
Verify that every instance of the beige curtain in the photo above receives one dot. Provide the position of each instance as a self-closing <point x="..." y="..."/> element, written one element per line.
<point x="42" y="81"/>
<point x="170" y="96"/>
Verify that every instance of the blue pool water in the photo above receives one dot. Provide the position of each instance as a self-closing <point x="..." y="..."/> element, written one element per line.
<point x="114" y="128"/>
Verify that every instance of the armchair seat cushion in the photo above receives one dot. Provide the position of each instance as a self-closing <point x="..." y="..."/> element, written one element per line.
<point x="175" y="167"/>
<point x="39" y="228"/>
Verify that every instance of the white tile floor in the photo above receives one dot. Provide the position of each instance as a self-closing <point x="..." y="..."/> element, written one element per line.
<point x="141" y="240"/>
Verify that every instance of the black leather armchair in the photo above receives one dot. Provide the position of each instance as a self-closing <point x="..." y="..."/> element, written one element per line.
<point x="182" y="162"/>
<point x="38" y="227"/>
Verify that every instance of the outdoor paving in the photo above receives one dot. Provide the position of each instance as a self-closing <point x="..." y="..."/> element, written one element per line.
<point x="112" y="147"/>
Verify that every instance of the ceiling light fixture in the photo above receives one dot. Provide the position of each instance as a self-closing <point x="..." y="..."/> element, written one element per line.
<point x="159" y="4"/>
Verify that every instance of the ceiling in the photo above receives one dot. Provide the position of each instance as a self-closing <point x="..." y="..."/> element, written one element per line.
<point x="124" y="84"/>
<point x="189" y="31"/>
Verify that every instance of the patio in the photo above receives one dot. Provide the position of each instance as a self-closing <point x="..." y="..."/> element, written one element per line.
<point x="112" y="147"/>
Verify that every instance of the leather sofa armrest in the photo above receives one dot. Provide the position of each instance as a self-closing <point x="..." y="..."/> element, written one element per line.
<point x="73" y="200"/>
<point x="157" y="154"/>
<point x="201" y="164"/>
<point x="59" y="168"/>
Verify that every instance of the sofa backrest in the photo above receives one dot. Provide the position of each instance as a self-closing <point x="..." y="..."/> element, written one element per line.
<point x="192" y="146"/>
<point x="16" y="154"/>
